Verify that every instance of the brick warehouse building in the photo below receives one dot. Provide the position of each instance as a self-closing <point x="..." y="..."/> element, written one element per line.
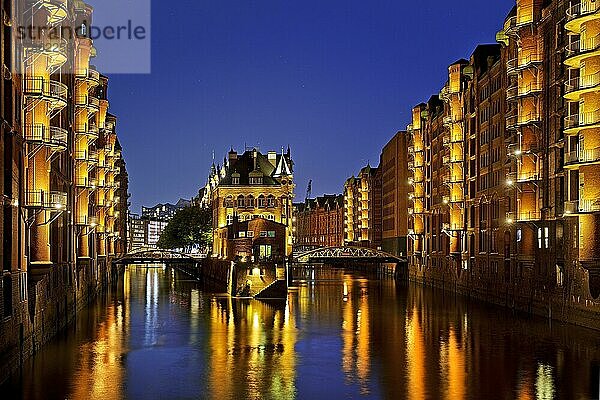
<point x="320" y="221"/>
<point x="64" y="186"/>
<point x="503" y="166"/>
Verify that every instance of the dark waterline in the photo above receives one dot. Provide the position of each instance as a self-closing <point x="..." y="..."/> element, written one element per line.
<point x="342" y="335"/>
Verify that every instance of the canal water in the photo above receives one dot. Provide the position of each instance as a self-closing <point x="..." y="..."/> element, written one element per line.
<point x="159" y="335"/>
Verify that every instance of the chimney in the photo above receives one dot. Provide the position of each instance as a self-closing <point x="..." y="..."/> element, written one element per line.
<point x="232" y="155"/>
<point x="273" y="158"/>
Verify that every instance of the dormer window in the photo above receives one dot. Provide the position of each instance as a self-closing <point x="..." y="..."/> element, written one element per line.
<point x="256" y="178"/>
<point x="235" y="179"/>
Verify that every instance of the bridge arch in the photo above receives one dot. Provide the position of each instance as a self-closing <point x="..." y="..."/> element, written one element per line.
<point x="346" y="253"/>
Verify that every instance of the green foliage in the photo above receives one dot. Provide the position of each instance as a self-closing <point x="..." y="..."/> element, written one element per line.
<point x="190" y="227"/>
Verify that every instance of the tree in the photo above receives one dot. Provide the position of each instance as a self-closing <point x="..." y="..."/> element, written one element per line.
<point x="190" y="227"/>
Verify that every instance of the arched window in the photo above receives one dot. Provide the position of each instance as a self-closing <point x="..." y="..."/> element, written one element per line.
<point x="271" y="201"/>
<point x="250" y="201"/>
<point x="228" y="203"/>
<point x="261" y="201"/>
<point x="241" y="202"/>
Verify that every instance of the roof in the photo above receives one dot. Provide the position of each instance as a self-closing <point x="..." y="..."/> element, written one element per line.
<point x="252" y="163"/>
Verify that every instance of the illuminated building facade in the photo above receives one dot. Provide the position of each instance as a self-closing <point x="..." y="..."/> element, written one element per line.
<point x="65" y="185"/>
<point x="320" y="221"/>
<point x="362" y="209"/>
<point x="503" y="166"/>
<point x="249" y="186"/>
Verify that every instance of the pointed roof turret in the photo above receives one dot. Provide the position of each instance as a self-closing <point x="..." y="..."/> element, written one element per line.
<point x="283" y="168"/>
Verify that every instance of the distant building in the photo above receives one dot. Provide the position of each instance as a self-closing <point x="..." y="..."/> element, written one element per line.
<point x="252" y="186"/>
<point x="164" y="211"/>
<point x="362" y="209"/>
<point x="145" y="230"/>
<point x="320" y="221"/>
<point x="137" y="232"/>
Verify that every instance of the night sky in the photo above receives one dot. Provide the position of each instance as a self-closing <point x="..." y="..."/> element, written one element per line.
<point x="334" y="79"/>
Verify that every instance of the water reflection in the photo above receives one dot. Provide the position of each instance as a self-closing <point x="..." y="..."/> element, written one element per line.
<point x="338" y="335"/>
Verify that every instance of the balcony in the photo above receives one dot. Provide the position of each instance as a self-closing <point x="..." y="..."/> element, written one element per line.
<point x="582" y="207"/>
<point x="580" y="49"/>
<point x="87" y="101"/>
<point x="454" y="199"/>
<point x="53" y="92"/>
<point x="447" y="227"/>
<point x="512" y="66"/>
<point x="90" y="130"/>
<point x="575" y="87"/>
<point x="57" y="10"/>
<point x="86" y="220"/>
<point x="511" y="121"/>
<point x="86" y="183"/>
<point x="580" y="13"/>
<point x="92" y="157"/>
<point x="512" y="92"/>
<point x="530" y="89"/>
<point x="587" y="156"/>
<point x="42" y="199"/>
<point x="529" y="61"/>
<point x="54" y="49"/>
<point x="90" y="75"/>
<point x="457" y="137"/>
<point x="52" y="137"/>
<point x="523" y="216"/>
<point x="531" y="118"/>
<point x="81" y="155"/>
<point x="525" y="177"/>
<point x="577" y="122"/>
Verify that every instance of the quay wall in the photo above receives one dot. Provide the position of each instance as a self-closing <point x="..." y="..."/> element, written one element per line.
<point x="571" y="303"/>
<point x="50" y="304"/>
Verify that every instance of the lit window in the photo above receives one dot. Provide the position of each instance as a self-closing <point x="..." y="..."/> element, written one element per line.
<point x="539" y="238"/>
<point x="263" y="234"/>
<point x="519" y="235"/>
<point x="547" y="237"/>
<point x="271" y="234"/>
<point x="250" y="234"/>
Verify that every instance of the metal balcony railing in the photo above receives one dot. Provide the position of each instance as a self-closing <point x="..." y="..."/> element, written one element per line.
<point x="512" y="92"/>
<point x="528" y="176"/>
<point x="582" y="119"/>
<point x="582" y="156"/>
<point x="42" y="199"/>
<point x="86" y="220"/>
<point x="527" y="119"/>
<point x="523" y="216"/>
<point x="46" y="89"/>
<point x="583" y="46"/>
<point x="530" y="88"/>
<point x="582" y="9"/>
<point x="512" y="66"/>
<point x="530" y="60"/>
<point x="582" y="206"/>
<point x="583" y="82"/>
<point x="52" y="136"/>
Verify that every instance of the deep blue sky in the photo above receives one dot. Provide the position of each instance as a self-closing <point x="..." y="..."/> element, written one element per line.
<point x="334" y="79"/>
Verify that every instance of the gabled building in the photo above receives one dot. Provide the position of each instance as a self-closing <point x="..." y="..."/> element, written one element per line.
<point x="320" y="221"/>
<point x="249" y="186"/>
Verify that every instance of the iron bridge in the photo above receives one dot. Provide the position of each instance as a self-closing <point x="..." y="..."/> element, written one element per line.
<point x="341" y="254"/>
<point x="156" y="257"/>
